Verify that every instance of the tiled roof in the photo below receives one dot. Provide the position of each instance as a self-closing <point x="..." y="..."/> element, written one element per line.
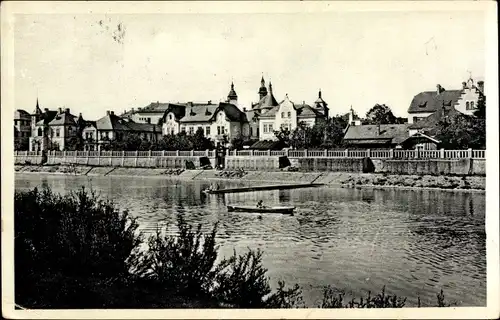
<point x="395" y="133"/>
<point x="22" y="112"/>
<point x="178" y="110"/>
<point x="249" y="115"/>
<point x="154" y="107"/>
<point x="63" y="119"/>
<point x="269" y="113"/>
<point x="199" y="113"/>
<point x="268" y="145"/>
<point x="430" y="101"/>
<point x="116" y="123"/>
<point x="305" y="110"/>
<point x="232" y="112"/>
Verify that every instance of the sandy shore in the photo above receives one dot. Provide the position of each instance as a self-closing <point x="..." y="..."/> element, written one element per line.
<point x="342" y="179"/>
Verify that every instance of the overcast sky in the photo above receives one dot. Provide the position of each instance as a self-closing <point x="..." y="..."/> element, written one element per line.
<point x="87" y="63"/>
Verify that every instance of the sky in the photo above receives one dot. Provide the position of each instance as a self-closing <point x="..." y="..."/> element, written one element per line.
<point x="91" y="63"/>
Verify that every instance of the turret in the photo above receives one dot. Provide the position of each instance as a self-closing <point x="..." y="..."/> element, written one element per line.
<point x="232" y="97"/>
<point x="262" y="89"/>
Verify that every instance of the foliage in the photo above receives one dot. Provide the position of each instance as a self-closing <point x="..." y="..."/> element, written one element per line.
<point x="184" y="263"/>
<point x="76" y="251"/>
<point x="74" y="143"/>
<point x="283" y="135"/>
<point x="462" y="132"/>
<point x="21" y="144"/>
<point x="54" y="146"/>
<point x="380" y="114"/>
<point x="180" y="141"/>
<point x="335" y="299"/>
<point x="481" y="107"/>
<point x="324" y="134"/>
<point x="237" y="142"/>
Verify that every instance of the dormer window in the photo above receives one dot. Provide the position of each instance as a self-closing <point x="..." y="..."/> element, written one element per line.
<point x="282" y="114"/>
<point x="289" y="114"/>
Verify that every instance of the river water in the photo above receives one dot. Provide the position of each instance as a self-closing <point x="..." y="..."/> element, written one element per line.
<point x="416" y="242"/>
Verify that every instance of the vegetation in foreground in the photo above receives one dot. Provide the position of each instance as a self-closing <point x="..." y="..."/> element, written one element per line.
<point x="77" y="251"/>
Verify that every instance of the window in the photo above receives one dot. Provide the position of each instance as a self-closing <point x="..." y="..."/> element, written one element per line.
<point x="172" y="131"/>
<point x="282" y="114"/>
<point x="170" y="117"/>
<point x="40" y="132"/>
<point x="183" y="129"/>
<point x="191" y="130"/>
<point x="265" y="127"/>
<point x="270" y="127"/>
<point x="467" y="106"/>
<point x="207" y="131"/>
<point x="251" y="131"/>
<point x="58" y="132"/>
<point x="289" y="114"/>
<point x="472" y="105"/>
<point x="218" y="130"/>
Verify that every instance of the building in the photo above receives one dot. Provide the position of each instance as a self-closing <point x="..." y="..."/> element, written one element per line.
<point x="52" y="130"/>
<point x="372" y="136"/>
<point x="114" y="128"/>
<point x="151" y="114"/>
<point x="22" y="129"/>
<point x="287" y="114"/>
<point x="464" y="100"/>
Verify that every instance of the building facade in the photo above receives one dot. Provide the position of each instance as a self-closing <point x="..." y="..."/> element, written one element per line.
<point x="96" y="135"/>
<point x="53" y="130"/>
<point x="22" y="129"/>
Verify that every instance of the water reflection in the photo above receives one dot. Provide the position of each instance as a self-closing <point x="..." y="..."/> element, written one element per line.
<point x="416" y="242"/>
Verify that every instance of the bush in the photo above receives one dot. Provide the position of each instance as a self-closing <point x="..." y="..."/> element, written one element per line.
<point x="76" y="251"/>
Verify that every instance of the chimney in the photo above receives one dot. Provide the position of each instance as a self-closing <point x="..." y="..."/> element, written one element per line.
<point x="244" y="109"/>
<point x="112" y="113"/>
<point x="107" y="112"/>
<point x="480" y="85"/>
<point x="439" y="89"/>
<point x="46" y="109"/>
<point x="464" y="85"/>
<point x="132" y="110"/>
<point x="60" y="110"/>
<point x="67" y="110"/>
<point x="210" y="101"/>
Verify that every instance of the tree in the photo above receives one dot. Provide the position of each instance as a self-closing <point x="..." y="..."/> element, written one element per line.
<point x="462" y="132"/>
<point x="481" y="107"/>
<point x="74" y="143"/>
<point x="283" y="135"/>
<point x="237" y="142"/>
<point x="331" y="132"/>
<point x="198" y="141"/>
<point x="21" y="144"/>
<point x="301" y="137"/>
<point x="380" y="114"/>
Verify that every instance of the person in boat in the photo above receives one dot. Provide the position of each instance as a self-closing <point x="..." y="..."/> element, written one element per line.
<point x="260" y="204"/>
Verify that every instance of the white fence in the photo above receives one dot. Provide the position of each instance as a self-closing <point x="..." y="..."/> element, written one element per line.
<point x="339" y="153"/>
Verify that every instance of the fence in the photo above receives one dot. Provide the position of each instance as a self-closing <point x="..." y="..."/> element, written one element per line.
<point x="340" y="153"/>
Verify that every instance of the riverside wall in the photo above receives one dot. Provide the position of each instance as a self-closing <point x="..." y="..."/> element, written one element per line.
<point x="276" y="163"/>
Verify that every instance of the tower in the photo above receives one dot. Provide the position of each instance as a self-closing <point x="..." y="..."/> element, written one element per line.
<point x="321" y="105"/>
<point x="232" y="97"/>
<point x="262" y="89"/>
<point x="36" y="115"/>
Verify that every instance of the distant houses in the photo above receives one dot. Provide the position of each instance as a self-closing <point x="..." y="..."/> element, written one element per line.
<point x="222" y="122"/>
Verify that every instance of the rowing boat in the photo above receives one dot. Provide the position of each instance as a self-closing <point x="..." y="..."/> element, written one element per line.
<point x="283" y="210"/>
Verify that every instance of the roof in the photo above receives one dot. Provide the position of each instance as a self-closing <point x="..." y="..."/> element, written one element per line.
<point x="116" y="123"/>
<point x="433" y="120"/>
<point x="395" y="133"/>
<point x="249" y="115"/>
<point x="21" y="112"/>
<point x="154" y="107"/>
<point x="430" y="101"/>
<point x="267" y="102"/>
<point x="303" y="111"/>
<point x="199" y="113"/>
<point x="46" y="117"/>
<point x="233" y="113"/>
<point x="420" y="135"/>
<point x="268" y="145"/>
<point x="178" y="110"/>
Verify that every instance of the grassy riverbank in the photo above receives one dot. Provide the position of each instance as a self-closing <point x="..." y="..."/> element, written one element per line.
<point x="77" y="251"/>
<point x="344" y="179"/>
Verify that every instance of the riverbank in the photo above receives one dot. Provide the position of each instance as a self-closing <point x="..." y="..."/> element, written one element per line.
<point x="342" y="179"/>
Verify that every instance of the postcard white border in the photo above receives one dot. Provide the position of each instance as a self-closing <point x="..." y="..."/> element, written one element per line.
<point x="9" y="9"/>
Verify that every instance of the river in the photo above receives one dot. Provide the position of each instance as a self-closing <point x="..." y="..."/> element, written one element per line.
<point x="416" y="242"/>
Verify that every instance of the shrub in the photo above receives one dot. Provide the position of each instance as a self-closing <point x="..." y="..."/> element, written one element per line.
<point x="335" y="299"/>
